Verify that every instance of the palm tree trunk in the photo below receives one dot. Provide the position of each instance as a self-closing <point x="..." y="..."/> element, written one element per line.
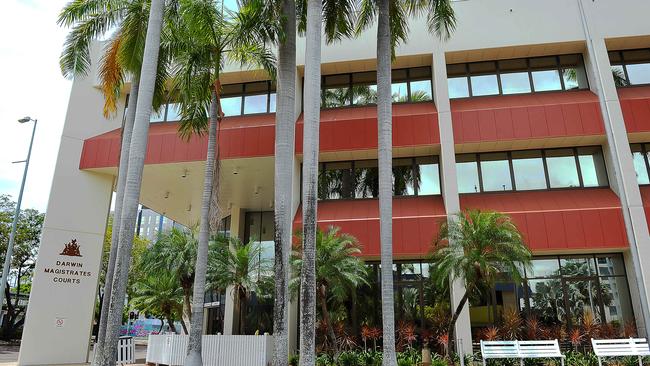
<point x="127" y="132"/>
<point x="187" y="306"/>
<point x="184" y="326"/>
<point x="133" y="182"/>
<point x="310" y="183"/>
<point x="328" y="323"/>
<point x="172" y="327"/>
<point x="285" y="120"/>
<point x="385" y="154"/>
<point x="242" y="312"/>
<point x="452" y="324"/>
<point x="196" y="328"/>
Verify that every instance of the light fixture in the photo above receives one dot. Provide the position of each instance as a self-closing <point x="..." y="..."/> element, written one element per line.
<point x="185" y="173"/>
<point x="189" y="208"/>
<point x="167" y="195"/>
<point x="256" y="190"/>
<point x="25" y="119"/>
<point x="235" y="171"/>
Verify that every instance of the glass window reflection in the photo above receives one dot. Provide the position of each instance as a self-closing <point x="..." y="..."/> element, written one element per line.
<point x="484" y="85"/>
<point x="255" y="104"/>
<point x="231" y="106"/>
<point x="515" y="83"/>
<point x="420" y="90"/>
<point x="528" y="169"/>
<point x="495" y="171"/>
<point x="638" y="73"/>
<point x="458" y="87"/>
<point x="467" y="172"/>
<point x="562" y="169"/>
<point x="547" y="80"/>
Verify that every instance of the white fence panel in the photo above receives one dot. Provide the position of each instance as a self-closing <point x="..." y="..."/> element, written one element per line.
<point x="125" y="351"/>
<point x="218" y="350"/>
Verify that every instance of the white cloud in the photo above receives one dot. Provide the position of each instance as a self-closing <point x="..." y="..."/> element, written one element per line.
<point x="32" y="85"/>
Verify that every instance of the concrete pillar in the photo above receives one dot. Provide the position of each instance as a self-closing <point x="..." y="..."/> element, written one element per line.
<point x="59" y="317"/>
<point x="620" y="156"/>
<point x="448" y="182"/>
<point x="230" y="319"/>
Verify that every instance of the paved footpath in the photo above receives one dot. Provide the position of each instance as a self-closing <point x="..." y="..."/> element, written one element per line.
<point x="9" y="355"/>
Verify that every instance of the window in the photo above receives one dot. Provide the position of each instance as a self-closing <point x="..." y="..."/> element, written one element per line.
<point x="562" y="289"/>
<point x="528" y="168"/>
<point x="467" y="172"/>
<point x="408" y="85"/>
<point x="360" y="179"/>
<point x="248" y="98"/>
<point x="631" y="67"/>
<point x="640" y="159"/>
<point x="562" y="168"/>
<point x="531" y="170"/>
<point x="516" y="76"/>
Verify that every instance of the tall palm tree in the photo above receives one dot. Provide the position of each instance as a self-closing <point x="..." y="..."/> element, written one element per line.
<point x="337" y="16"/>
<point x="159" y="295"/>
<point x="175" y="251"/>
<point x="91" y="20"/>
<point x="206" y="39"/>
<point x="477" y="247"/>
<point x="133" y="180"/>
<point x="392" y="28"/>
<point x="241" y="267"/>
<point x="338" y="271"/>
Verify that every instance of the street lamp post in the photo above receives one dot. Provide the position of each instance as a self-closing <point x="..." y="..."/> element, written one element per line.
<point x="10" y="246"/>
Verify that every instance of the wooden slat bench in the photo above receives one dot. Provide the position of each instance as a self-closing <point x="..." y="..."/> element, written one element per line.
<point x="620" y="348"/>
<point x="521" y="350"/>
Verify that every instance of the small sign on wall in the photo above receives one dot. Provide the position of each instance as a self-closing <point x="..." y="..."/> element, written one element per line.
<point x="60" y="322"/>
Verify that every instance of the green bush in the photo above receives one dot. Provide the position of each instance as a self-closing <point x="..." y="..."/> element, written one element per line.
<point x="293" y="360"/>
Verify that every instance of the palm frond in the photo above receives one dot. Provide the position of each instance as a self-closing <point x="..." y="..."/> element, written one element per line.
<point x="111" y="74"/>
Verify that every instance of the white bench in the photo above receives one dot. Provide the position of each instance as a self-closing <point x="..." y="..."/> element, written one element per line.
<point x="620" y="348"/>
<point x="521" y="350"/>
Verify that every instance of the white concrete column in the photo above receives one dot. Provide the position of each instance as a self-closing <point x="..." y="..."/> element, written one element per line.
<point x="620" y="158"/>
<point x="237" y="216"/>
<point x="59" y="317"/>
<point x="448" y="182"/>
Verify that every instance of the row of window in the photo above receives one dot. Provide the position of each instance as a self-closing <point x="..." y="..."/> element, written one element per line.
<point x="485" y="172"/>
<point x="360" y="179"/>
<point x="555" y="290"/>
<point x="516" y="76"/>
<point x="408" y="85"/>
<point x="630" y="67"/>
<point x="531" y="170"/>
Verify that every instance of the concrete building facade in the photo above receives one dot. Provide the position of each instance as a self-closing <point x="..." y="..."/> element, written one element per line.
<point x="540" y="110"/>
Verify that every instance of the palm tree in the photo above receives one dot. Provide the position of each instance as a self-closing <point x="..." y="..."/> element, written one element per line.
<point x="240" y="267"/>
<point x="175" y="251"/>
<point x="133" y="180"/>
<point x="206" y="39"/>
<point x="159" y="295"/>
<point x="338" y="23"/>
<point x="477" y="247"/>
<point x="392" y="28"/>
<point x="90" y="20"/>
<point x="338" y="271"/>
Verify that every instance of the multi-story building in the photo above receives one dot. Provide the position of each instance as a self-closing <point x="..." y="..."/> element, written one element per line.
<point x="538" y="109"/>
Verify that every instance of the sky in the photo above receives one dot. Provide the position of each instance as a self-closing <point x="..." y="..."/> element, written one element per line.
<point x="32" y="86"/>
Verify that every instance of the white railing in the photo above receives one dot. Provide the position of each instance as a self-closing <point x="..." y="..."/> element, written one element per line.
<point x="125" y="351"/>
<point x="232" y="350"/>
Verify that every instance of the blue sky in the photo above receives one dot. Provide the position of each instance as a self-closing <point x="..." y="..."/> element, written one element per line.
<point x="33" y="86"/>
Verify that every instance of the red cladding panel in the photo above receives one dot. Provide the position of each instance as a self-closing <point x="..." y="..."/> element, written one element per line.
<point x="645" y="196"/>
<point x="239" y="137"/>
<point x="526" y="116"/>
<point x="560" y="220"/>
<point x="355" y="128"/>
<point x="635" y="103"/>
<point x="415" y="223"/>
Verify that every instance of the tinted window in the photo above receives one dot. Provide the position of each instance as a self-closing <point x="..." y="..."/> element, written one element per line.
<point x="495" y="171"/>
<point x="367" y="176"/>
<point x="592" y="167"/>
<point x="420" y="90"/>
<point x="467" y="172"/>
<point x="399" y="92"/>
<point x="638" y="73"/>
<point x="515" y="83"/>
<point x="427" y="175"/>
<point x="403" y="178"/>
<point x="528" y="169"/>
<point x="255" y="104"/>
<point x="562" y="169"/>
<point x="546" y="80"/>
<point x="231" y="106"/>
<point x="640" y="164"/>
<point x="484" y="85"/>
<point x="458" y="87"/>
